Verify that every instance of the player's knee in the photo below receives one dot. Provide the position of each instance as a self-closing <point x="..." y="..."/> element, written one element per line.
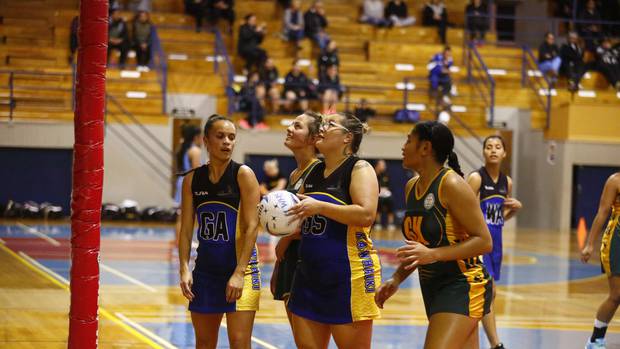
<point x="204" y="341"/>
<point x="239" y="340"/>
<point x="614" y="296"/>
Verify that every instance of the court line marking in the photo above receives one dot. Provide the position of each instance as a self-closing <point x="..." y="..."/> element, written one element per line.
<point x="509" y="294"/>
<point x="65" y="286"/>
<point x="256" y="340"/>
<point x="146" y="332"/>
<point x="127" y="277"/>
<point x="37" y="233"/>
<point x="2" y="242"/>
<point x="44" y="268"/>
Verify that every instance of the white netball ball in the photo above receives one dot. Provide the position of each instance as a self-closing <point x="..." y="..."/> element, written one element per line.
<point x="272" y="213"/>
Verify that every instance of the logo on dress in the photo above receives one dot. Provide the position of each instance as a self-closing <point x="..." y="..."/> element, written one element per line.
<point x="487" y="187"/>
<point x="201" y="193"/>
<point x="429" y="201"/>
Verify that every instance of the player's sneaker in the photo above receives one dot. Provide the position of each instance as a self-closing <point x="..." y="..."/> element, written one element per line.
<point x="599" y="343"/>
<point x="499" y="346"/>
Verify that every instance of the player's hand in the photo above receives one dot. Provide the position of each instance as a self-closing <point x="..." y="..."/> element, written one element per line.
<point x="234" y="288"/>
<point x="186" y="284"/>
<point x="385" y="291"/>
<point x="513" y="204"/>
<point x="586" y="253"/>
<point x="305" y="208"/>
<point x="281" y="248"/>
<point x="414" y="254"/>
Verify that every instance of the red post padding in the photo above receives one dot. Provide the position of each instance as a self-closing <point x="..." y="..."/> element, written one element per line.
<point x="87" y="173"/>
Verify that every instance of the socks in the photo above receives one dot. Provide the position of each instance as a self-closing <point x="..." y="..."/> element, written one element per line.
<point x="600" y="328"/>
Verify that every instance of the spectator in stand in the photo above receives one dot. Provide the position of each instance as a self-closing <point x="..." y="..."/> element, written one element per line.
<point x="477" y="20"/>
<point x="118" y="37"/>
<point x="549" y="59"/>
<point x="294" y="23"/>
<point x="564" y="10"/>
<point x="374" y="13"/>
<point x="396" y="12"/>
<point x="439" y="74"/>
<point x="269" y="78"/>
<point x="142" y="34"/>
<point x="435" y="15"/>
<point x="250" y="36"/>
<point x="73" y="38"/>
<point x="363" y="111"/>
<point x="385" y="205"/>
<point x="252" y="101"/>
<point x="589" y="30"/>
<point x="330" y="88"/>
<point x="197" y="9"/>
<point x="273" y="180"/>
<point x="328" y="57"/>
<point x="315" y="23"/>
<point x="224" y="9"/>
<point x="572" y="66"/>
<point x="297" y="88"/>
<point x="608" y="63"/>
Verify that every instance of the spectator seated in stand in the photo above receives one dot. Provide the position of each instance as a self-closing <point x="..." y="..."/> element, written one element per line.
<point x="142" y="32"/>
<point x="250" y="37"/>
<point x="477" y="20"/>
<point x="573" y="66"/>
<point x="273" y="179"/>
<point x="396" y="13"/>
<point x="118" y="37"/>
<point x="549" y="59"/>
<point x="297" y="88"/>
<point x="439" y="74"/>
<point x="269" y="78"/>
<point x="608" y="63"/>
<point x="221" y="9"/>
<point x="315" y="23"/>
<point x="197" y="9"/>
<point x="73" y="38"/>
<point x="589" y="30"/>
<point x="330" y="88"/>
<point x="435" y="15"/>
<point x="252" y="101"/>
<point x="363" y="111"/>
<point x="385" y="206"/>
<point x="374" y="13"/>
<point x="328" y="56"/>
<point x="294" y="23"/>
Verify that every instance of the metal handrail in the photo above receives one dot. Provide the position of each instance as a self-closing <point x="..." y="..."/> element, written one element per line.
<point x="475" y="61"/>
<point x="229" y="74"/>
<point x="162" y="65"/>
<point x="530" y="63"/>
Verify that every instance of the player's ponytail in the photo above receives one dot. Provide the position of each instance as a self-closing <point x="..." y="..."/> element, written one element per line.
<point x="453" y="162"/>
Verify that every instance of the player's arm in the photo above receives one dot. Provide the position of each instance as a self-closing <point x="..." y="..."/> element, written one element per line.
<point x="511" y="205"/>
<point x="250" y="196"/>
<point x="364" y="191"/>
<point x="475" y="181"/>
<point x="610" y="191"/>
<point x="185" y="236"/>
<point x="461" y="202"/>
<point x="194" y="156"/>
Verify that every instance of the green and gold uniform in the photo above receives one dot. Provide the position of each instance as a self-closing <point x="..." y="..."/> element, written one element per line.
<point x="610" y="247"/>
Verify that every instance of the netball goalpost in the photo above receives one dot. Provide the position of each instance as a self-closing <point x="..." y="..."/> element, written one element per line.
<point x="87" y="173"/>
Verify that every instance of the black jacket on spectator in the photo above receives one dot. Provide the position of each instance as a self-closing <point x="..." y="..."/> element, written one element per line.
<point x="327" y="83"/>
<point x="428" y="18"/>
<point x="477" y="17"/>
<point x="247" y="45"/>
<point x="299" y="84"/>
<point x="572" y="66"/>
<point x="399" y="11"/>
<point x="547" y="52"/>
<point x="216" y="13"/>
<point x="118" y="29"/>
<point x="327" y="59"/>
<point x="313" y="23"/>
<point x="584" y="28"/>
<point x="364" y="113"/>
<point x="268" y="77"/>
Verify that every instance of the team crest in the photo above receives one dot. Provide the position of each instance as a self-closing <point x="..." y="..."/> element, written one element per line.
<point x="429" y="201"/>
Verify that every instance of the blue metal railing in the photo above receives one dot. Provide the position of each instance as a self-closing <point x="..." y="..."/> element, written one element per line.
<point x="532" y="77"/>
<point x="479" y="77"/>
<point x="226" y="71"/>
<point x="160" y="62"/>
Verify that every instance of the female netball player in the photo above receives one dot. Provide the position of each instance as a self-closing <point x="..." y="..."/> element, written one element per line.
<point x="494" y="190"/>
<point x="187" y="158"/>
<point x="445" y="233"/>
<point x="339" y="270"/>
<point x="300" y="138"/>
<point x="223" y="196"/>
<point x="610" y="261"/>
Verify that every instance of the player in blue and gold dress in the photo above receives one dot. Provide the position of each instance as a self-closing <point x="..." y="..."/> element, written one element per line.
<point x="494" y="190"/>
<point x="445" y="235"/>
<point x="339" y="271"/>
<point x="609" y="206"/>
<point x="222" y="196"/>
